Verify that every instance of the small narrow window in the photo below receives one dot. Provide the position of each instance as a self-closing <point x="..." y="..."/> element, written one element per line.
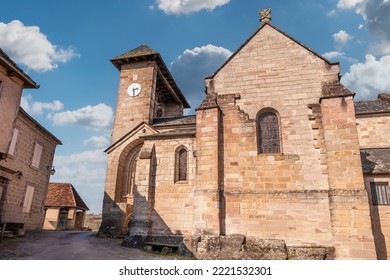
<point x="28" y="197"/>
<point x="12" y="147"/>
<point x="380" y="193"/>
<point x="37" y="155"/>
<point x="181" y="164"/>
<point x="268" y="133"/>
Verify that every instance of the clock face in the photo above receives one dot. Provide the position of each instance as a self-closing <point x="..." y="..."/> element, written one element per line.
<point x="134" y="89"/>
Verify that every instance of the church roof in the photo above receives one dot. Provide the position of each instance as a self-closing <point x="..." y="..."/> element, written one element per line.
<point x="145" y="53"/>
<point x="64" y="195"/>
<point x="380" y="105"/>
<point x="335" y="89"/>
<point x="142" y="50"/>
<point x="173" y="121"/>
<point x="375" y="161"/>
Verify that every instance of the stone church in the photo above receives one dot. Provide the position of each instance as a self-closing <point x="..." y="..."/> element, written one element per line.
<point x="278" y="158"/>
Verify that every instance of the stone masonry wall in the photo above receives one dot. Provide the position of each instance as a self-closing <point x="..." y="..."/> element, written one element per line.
<point x="350" y="212"/>
<point x="10" y="95"/>
<point x="131" y="111"/>
<point x="272" y="195"/>
<point x="173" y="201"/>
<point x="35" y="177"/>
<point x="371" y="130"/>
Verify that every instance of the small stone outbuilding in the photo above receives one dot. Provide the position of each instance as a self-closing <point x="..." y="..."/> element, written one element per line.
<point x="65" y="210"/>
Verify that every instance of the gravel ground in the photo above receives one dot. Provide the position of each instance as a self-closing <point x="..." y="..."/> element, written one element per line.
<point x="70" y="245"/>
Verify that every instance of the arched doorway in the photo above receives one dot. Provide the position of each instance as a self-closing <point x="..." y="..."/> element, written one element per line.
<point x="127" y="187"/>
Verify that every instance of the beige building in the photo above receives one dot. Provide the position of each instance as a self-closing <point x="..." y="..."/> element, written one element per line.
<point x="65" y="209"/>
<point x="271" y="160"/>
<point x="27" y="151"/>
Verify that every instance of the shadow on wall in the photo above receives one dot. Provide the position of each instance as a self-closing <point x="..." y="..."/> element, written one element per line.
<point x="379" y="238"/>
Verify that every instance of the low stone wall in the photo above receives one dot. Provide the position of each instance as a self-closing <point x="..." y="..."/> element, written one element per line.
<point x="231" y="247"/>
<point x="240" y="247"/>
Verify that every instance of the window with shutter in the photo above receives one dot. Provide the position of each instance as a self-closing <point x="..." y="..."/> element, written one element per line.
<point x="37" y="155"/>
<point x="12" y="147"/>
<point x="28" y="197"/>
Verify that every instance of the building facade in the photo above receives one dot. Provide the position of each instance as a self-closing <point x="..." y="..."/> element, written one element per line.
<point x="27" y="150"/>
<point x="273" y="153"/>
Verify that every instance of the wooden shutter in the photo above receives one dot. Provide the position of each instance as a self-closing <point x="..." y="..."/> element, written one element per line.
<point x="28" y="199"/>
<point x="37" y="155"/>
<point x="15" y="134"/>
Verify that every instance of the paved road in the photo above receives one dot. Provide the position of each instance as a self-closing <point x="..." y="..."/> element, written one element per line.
<point x="69" y="245"/>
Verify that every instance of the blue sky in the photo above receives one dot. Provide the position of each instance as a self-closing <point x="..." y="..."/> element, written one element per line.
<point x="65" y="46"/>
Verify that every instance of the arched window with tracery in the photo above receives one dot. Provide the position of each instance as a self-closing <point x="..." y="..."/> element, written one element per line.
<point x="181" y="164"/>
<point x="268" y="132"/>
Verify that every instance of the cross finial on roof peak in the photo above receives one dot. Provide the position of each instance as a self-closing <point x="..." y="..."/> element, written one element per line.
<point x="265" y="16"/>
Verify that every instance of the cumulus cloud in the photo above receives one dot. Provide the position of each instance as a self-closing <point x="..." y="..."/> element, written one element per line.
<point x="37" y="108"/>
<point x="86" y="171"/>
<point x="333" y="55"/>
<point x="27" y="45"/>
<point x="188" y="6"/>
<point x="376" y="14"/>
<point x="190" y="69"/>
<point x="348" y="4"/>
<point x="369" y="78"/>
<point x="341" y="38"/>
<point x="91" y="117"/>
<point x="97" y="141"/>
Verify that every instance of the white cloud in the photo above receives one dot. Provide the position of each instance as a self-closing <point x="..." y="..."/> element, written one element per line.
<point x="92" y="117"/>
<point x="86" y="171"/>
<point x="360" y="26"/>
<point x="348" y="4"/>
<point x="341" y="38"/>
<point x="376" y="16"/>
<point x="37" y="108"/>
<point x="190" y="69"/>
<point x="189" y="6"/>
<point x="369" y="78"/>
<point x="29" y="46"/>
<point x="333" y="55"/>
<point x="97" y="141"/>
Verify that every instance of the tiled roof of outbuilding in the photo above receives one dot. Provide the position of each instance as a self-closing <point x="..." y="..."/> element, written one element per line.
<point x="64" y="195"/>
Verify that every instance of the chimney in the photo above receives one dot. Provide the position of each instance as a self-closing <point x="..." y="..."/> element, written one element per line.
<point x="265" y="16"/>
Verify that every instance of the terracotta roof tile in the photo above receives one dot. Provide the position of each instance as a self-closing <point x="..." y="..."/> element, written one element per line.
<point x="64" y="195"/>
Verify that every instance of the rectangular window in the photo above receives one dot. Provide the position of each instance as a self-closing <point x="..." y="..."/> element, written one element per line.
<point x="380" y="193"/>
<point x="37" y="155"/>
<point x="28" y="197"/>
<point x="12" y="147"/>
